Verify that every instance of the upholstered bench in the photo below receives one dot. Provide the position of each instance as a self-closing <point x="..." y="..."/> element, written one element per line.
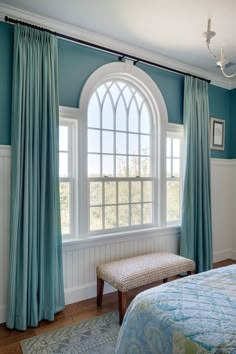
<point x="130" y="273"/>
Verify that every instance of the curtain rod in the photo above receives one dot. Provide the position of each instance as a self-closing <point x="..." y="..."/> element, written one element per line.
<point x="121" y="55"/>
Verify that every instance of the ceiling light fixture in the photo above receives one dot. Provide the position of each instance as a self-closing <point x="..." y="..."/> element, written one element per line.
<point x="221" y="61"/>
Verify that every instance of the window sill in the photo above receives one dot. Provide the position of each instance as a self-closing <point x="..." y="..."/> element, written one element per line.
<point x="123" y="236"/>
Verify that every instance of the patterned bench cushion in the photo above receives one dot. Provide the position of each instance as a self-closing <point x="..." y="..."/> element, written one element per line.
<point x="131" y="273"/>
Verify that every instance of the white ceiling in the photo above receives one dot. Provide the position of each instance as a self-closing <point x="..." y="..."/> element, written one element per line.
<point x="171" y="28"/>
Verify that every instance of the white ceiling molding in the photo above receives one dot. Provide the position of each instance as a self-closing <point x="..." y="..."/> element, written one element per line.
<point x="109" y="42"/>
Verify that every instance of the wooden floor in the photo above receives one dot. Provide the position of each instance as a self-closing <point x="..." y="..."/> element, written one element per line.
<point x="10" y="339"/>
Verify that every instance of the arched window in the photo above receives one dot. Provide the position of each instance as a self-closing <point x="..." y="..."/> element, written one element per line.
<point x="120" y="169"/>
<point x="120" y="150"/>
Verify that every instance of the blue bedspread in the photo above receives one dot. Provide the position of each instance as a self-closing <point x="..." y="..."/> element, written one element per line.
<point x="195" y="314"/>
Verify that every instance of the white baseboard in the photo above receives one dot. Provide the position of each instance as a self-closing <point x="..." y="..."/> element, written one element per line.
<point x="85" y="292"/>
<point x="224" y="254"/>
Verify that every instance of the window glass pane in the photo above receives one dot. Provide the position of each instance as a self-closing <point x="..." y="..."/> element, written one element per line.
<point x="121" y="121"/>
<point x="135" y="192"/>
<point x="147" y="191"/>
<point x="120" y="147"/>
<point x="139" y="99"/>
<point x="176" y="167"/>
<point x="127" y="94"/>
<point x="135" y="214"/>
<point x="63" y="138"/>
<point x="145" y="120"/>
<point x="94" y="112"/>
<point x="63" y="164"/>
<point x="121" y="84"/>
<point x="173" y="200"/>
<point x="101" y="92"/>
<point x="65" y="207"/>
<point x="133" y="117"/>
<point x="121" y="166"/>
<point x="133" y="166"/>
<point x="110" y="217"/>
<point x="110" y="192"/>
<point x="108" y="165"/>
<point x="123" y="192"/>
<point x="176" y="147"/>
<point x="123" y="211"/>
<point x="95" y="193"/>
<point x="95" y="218"/>
<point x="168" y="167"/>
<point x="168" y="147"/>
<point x="133" y="144"/>
<point x="145" y="166"/>
<point x="145" y="144"/>
<point x="93" y="140"/>
<point x="107" y="142"/>
<point x="115" y="92"/>
<point x="121" y="143"/>
<point x="93" y="165"/>
<point x="107" y="114"/>
<point x="147" y="213"/>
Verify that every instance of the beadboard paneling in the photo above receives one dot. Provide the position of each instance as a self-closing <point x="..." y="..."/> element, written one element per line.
<point x="233" y="192"/>
<point x="80" y="260"/>
<point x="223" y="207"/>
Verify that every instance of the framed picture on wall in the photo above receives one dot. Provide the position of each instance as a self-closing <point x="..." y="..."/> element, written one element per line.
<point x="217" y="134"/>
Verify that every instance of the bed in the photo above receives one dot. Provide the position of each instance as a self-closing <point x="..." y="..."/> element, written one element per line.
<point x="195" y="314"/>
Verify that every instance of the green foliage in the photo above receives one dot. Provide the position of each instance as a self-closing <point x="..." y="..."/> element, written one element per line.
<point x="173" y="201"/>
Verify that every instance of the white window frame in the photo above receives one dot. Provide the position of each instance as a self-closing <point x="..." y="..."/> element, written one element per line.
<point x="177" y="131"/>
<point x="76" y="118"/>
<point x="103" y="179"/>
<point x="128" y="72"/>
<point x="68" y="117"/>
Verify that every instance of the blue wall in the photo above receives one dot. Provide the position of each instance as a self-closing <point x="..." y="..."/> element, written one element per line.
<point x="77" y="63"/>
<point x="6" y="36"/>
<point x="219" y="104"/>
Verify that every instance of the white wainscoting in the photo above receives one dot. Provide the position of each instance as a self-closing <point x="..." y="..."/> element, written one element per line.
<point x="80" y="258"/>
<point x="223" y="208"/>
<point x="233" y="191"/>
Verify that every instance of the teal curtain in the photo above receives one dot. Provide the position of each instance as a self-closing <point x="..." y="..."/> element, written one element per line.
<point x="36" y="289"/>
<point x="196" y="233"/>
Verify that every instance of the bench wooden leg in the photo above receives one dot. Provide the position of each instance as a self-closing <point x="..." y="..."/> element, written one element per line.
<point x="122" y="301"/>
<point x="190" y="272"/>
<point x="100" y="287"/>
<point x="165" y="280"/>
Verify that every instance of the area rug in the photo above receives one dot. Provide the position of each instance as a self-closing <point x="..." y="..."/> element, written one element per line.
<point x="95" y="336"/>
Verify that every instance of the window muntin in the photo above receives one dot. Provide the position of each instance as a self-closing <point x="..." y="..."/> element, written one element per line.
<point x="119" y="157"/>
<point x="77" y="119"/>
<point x="173" y="177"/>
<point x="116" y="202"/>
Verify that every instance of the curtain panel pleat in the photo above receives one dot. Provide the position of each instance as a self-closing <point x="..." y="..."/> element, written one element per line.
<point x="36" y="288"/>
<point x="196" y="233"/>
